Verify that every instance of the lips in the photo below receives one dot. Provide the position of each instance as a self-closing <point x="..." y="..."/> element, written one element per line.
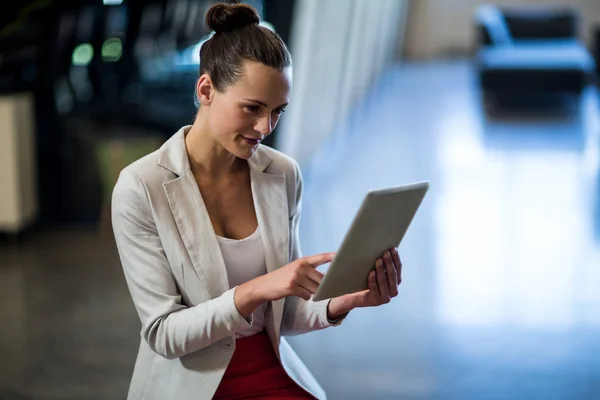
<point x="252" y="141"/>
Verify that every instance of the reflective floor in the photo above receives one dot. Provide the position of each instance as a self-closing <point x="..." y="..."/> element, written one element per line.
<point x="501" y="291"/>
<point x="69" y="330"/>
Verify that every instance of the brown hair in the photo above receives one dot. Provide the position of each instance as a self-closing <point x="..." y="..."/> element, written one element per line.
<point x="238" y="37"/>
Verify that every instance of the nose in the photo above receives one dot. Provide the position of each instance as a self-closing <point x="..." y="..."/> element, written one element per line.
<point x="264" y="125"/>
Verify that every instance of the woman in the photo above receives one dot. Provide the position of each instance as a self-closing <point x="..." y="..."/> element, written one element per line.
<point x="206" y="229"/>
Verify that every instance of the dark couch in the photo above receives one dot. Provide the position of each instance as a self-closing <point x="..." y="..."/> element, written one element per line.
<point x="531" y="50"/>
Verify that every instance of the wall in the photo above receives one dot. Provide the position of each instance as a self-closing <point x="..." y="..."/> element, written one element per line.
<point x="445" y="27"/>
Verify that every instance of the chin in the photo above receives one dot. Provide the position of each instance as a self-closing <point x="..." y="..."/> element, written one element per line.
<point x="244" y="151"/>
<point x="245" y="154"/>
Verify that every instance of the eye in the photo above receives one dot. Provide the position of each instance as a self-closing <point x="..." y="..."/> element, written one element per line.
<point x="279" y="111"/>
<point x="253" y="109"/>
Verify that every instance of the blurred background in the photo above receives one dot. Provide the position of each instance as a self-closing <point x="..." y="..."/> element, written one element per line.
<point x="496" y="104"/>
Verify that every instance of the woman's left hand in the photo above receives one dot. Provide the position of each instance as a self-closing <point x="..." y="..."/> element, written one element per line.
<point x="383" y="282"/>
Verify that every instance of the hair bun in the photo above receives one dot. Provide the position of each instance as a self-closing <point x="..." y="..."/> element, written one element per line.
<point x="228" y="17"/>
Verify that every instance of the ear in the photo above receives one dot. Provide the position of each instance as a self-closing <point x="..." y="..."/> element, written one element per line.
<point x="204" y="90"/>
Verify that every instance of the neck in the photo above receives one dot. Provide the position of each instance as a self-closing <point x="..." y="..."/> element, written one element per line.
<point x="207" y="156"/>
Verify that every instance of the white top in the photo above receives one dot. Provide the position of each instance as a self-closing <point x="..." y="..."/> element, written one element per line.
<point x="244" y="261"/>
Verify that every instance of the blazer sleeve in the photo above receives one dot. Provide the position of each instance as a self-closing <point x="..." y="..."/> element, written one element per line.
<point x="170" y="328"/>
<point x="301" y="316"/>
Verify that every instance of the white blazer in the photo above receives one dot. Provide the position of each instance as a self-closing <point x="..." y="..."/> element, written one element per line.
<point x="177" y="278"/>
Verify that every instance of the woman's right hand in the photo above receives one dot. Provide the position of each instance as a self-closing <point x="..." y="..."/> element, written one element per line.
<point x="298" y="278"/>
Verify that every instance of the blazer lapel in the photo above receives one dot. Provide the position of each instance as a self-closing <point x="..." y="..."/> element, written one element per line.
<point x="270" y="202"/>
<point x="197" y="233"/>
<point x="191" y="216"/>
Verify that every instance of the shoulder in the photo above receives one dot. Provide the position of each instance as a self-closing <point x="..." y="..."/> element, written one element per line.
<point x="130" y="205"/>
<point x="140" y="179"/>
<point x="282" y="164"/>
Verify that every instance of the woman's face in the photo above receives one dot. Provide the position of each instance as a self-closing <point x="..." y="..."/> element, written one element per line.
<point x="241" y="116"/>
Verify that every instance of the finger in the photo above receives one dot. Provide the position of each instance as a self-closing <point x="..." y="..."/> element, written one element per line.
<point x="372" y="283"/>
<point x="381" y="279"/>
<point x="308" y="284"/>
<point x="314" y="275"/>
<point x="398" y="264"/>
<point x="391" y="274"/>
<point x="302" y="293"/>
<point x="319" y="259"/>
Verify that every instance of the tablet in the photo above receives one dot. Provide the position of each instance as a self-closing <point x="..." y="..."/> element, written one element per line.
<point x="380" y="224"/>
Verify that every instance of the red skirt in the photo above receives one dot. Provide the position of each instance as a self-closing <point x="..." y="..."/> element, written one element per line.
<point x="256" y="372"/>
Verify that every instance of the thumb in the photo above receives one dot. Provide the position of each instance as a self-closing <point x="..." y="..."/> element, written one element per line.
<point x="319" y="259"/>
